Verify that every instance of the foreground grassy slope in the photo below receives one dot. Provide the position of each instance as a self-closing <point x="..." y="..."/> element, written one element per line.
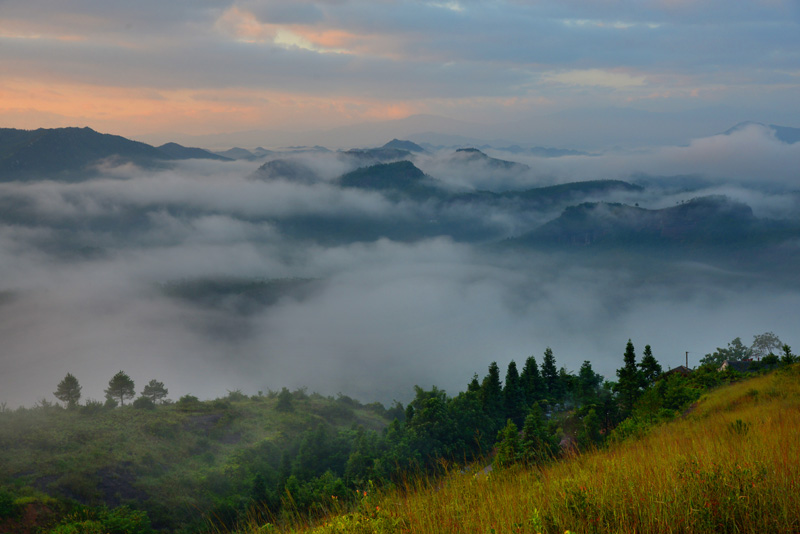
<point x="732" y="464"/>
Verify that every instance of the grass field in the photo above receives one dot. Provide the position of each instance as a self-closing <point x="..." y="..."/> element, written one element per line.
<point x="730" y="465"/>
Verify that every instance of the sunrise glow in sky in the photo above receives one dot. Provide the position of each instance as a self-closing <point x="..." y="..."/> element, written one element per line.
<point x="209" y="66"/>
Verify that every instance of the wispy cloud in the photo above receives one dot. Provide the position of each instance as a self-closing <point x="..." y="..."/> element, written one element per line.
<point x="414" y="52"/>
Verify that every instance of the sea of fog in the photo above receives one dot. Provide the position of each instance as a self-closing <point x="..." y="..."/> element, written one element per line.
<point x="86" y="267"/>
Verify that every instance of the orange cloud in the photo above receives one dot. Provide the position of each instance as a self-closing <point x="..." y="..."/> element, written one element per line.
<point x="131" y="112"/>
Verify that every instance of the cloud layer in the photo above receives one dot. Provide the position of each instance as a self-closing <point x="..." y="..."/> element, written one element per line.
<point x="87" y="269"/>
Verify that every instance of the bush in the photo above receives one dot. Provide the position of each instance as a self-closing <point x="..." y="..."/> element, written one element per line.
<point x="91" y="407"/>
<point x="284" y="401"/>
<point x="120" y="520"/>
<point x="236" y="395"/>
<point x="7" y="508"/>
<point x="144" y="403"/>
<point x="188" y="402"/>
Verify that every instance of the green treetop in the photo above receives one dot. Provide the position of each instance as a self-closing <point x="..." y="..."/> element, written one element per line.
<point x="649" y="367"/>
<point x="532" y="381"/>
<point x="492" y="391"/>
<point x="120" y="387"/>
<point x="155" y="391"/>
<point x="550" y="377"/>
<point x="514" y="396"/>
<point x="630" y="381"/>
<point x="68" y="391"/>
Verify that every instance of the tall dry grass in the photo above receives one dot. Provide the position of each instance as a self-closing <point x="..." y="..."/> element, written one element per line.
<point x="732" y="465"/>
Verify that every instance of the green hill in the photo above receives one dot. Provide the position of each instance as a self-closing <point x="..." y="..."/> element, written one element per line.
<point x="730" y="464"/>
<point x="185" y="463"/>
<point x="400" y="178"/>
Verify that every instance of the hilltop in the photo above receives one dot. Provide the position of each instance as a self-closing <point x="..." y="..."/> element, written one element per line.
<point x="180" y="462"/>
<point x="730" y="464"/>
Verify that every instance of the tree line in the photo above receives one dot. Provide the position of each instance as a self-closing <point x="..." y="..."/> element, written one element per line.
<point x="530" y="416"/>
<point x="120" y="387"/>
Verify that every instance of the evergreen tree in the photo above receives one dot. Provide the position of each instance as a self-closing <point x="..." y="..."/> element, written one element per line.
<point x="120" y="387"/>
<point x="566" y="386"/>
<point x="155" y="391"/>
<point x="590" y="434"/>
<point x="513" y="396"/>
<point x="550" y="378"/>
<point x="492" y="392"/>
<point x="588" y="384"/>
<point x="649" y="367"/>
<point x="536" y="443"/>
<point x="508" y="445"/>
<point x="68" y="391"/>
<point x="629" y="385"/>
<point x="474" y="385"/>
<point x="284" y="401"/>
<point x="258" y="491"/>
<point x="531" y="381"/>
<point x="788" y="357"/>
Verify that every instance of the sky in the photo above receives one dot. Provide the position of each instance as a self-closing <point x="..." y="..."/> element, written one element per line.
<point x="159" y="71"/>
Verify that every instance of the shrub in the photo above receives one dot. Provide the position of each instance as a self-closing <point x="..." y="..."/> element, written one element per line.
<point x="7" y="508"/>
<point x="91" y="407"/>
<point x="236" y="395"/>
<point x="144" y="403"/>
<point x="188" y="402"/>
<point x="120" y="520"/>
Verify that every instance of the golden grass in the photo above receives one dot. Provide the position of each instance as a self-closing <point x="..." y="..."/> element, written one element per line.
<point x="731" y="465"/>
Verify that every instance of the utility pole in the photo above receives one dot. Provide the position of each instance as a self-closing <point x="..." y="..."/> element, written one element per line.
<point x="687" y="359"/>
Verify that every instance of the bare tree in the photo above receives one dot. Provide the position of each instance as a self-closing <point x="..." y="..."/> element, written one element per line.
<point x="765" y="344"/>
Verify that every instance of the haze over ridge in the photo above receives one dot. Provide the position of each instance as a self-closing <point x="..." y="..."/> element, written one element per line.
<point x="212" y="277"/>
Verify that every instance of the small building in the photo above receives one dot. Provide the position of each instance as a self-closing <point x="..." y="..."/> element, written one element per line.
<point x="740" y="366"/>
<point x="680" y="370"/>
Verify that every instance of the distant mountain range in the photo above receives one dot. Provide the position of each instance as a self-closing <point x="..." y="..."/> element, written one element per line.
<point x="590" y="215"/>
<point x="69" y="153"/>
<point x="72" y="153"/>
<point x="176" y="151"/>
<point x="705" y="223"/>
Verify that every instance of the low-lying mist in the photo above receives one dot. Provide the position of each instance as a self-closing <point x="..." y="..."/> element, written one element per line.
<point x="95" y="276"/>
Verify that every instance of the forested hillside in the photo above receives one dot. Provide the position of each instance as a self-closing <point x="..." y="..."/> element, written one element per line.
<point x="282" y="457"/>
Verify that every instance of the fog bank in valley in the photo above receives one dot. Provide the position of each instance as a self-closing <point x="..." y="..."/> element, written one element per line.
<point x="89" y="272"/>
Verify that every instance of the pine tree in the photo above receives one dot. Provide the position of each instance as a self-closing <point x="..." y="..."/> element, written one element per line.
<point x="588" y="384"/>
<point x="155" y="391"/>
<point x="513" y="395"/>
<point x="552" y="383"/>
<point x="68" y="391"/>
<point x="531" y="381"/>
<point x="474" y="385"/>
<point x="649" y="367"/>
<point x="492" y="392"/>
<point x="629" y="385"/>
<point x="120" y="387"/>
<point x="536" y="444"/>
<point x="508" y="445"/>
<point x="787" y="358"/>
